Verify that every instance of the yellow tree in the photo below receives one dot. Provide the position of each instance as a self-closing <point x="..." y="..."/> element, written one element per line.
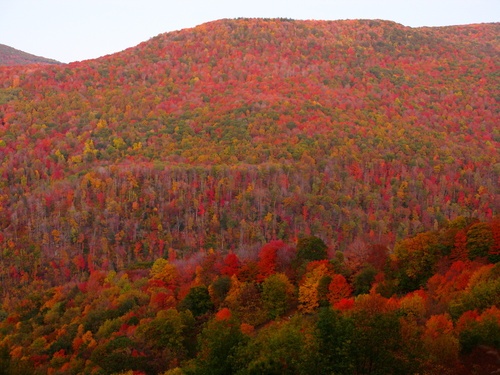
<point x="163" y="270"/>
<point x="309" y="290"/>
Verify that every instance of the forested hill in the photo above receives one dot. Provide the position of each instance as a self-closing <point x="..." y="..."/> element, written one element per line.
<point x="237" y="132"/>
<point x="12" y="56"/>
<point x="254" y="197"/>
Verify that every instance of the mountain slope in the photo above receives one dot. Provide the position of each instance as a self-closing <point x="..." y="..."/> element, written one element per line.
<point x="11" y="56"/>
<point x="237" y="132"/>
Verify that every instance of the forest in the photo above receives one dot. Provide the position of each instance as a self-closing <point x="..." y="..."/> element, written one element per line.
<point x="255" y="196"/>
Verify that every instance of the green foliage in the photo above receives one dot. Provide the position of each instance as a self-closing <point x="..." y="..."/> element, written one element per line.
<point x="278" y="349"/>
<point x="416" y="260"/>
<point x="364" y="279"/>
<point x="479" y="240"/>
<point x="115" y="356"/>
<point x="370" y="354"/>
<point x="7" y="95"/>
<point x="167" y="337"/>
<point x="96" y="318"/>
<point x="334" y="333"/>
<point x="219" y="289"/>
<point x="4" y="359"/>
<point x="483" y="291"/>
<point x="197" y="301"/>
<point x="277" y="295"/>
<point x="219" y="342"/>
<point x="108" y="327"/>
<point x="339" y="266"/>
<point x="485" y="332"/>
<point x="309" y="249"/>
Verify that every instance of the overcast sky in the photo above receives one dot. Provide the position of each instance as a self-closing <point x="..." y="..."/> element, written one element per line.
<point x="71" y="30"/>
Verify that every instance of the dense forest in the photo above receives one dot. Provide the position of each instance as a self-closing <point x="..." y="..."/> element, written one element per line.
<point x="430" y="306"/>
<point x="255" y="196"/>
<point x="12" y="57"/>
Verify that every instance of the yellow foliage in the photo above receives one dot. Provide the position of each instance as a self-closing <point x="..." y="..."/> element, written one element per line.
<point x="234" y="292"/>
<point x="308" y="291"/>
<point x="308" y="296"/>
<point x="163" y="270"/>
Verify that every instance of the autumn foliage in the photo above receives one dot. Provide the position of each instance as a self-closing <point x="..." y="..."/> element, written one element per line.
<point x="252" y="195"/>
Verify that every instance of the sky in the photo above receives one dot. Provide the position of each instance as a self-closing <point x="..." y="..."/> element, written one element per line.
<point x="74" y="30"/>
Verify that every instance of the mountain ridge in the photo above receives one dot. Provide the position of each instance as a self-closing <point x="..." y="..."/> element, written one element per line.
<point x="10" y="56"/>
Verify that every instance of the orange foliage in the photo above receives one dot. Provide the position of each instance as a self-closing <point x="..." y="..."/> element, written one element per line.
<point x="223" y="314"/>
<point x="247" y="329"/>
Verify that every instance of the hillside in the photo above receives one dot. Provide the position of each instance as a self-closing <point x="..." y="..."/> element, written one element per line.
<point x="10" y="56"/>
<point x="237" y="132"/>
<point x="249" y="194"/>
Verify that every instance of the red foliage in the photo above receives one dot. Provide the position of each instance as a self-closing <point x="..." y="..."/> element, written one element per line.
<point x="247" y="329"/>
<point x="268" y="258"/>
<point x="466" y="319"/>
<point x="230" y="265"/>
<point x="223" y="314"/>
<point x="227" y="136"/>
<point x="163" y="300"/>
<point x="460" y="251"/>
<point x="344" y="304"/>
<point x="338" y="289"/>
<point x="79" y="262"/>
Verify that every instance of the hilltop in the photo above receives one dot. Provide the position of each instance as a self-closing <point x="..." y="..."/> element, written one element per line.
<point x="10" y="57"/>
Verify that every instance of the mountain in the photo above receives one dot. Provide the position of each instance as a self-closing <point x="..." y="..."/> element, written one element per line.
<point x="252" y="195"/>
<point x="10" y="56"/>
<point x="237" y="132"/>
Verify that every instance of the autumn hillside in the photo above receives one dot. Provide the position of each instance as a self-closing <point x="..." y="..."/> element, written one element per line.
<point x="237" y="132"/>
<point x="253" y="195"/>
<point x="12" y="56"/>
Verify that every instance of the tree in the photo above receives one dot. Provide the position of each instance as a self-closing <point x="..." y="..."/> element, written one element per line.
<point x="310" y="249"/>
<point x="197" y="301"/>
<point x="309" y="289"/>
<point x="364" y="279"/>
<point x="280" y="348"/>
<point x="338" y="289"/>
<point x="277" y="295"/>
<point x="166" y="337"/>
<point x="334" y="333"/>
<point x="116" y="356"/>
<point x="480" y="240"/>
<point x="415" y="259"/>
<point x="460" y="251"/>
<point x="478" y="330"/>
<point x="219" y="289"/>
<point x="268" y="258"/>
<point x="440" y="341"/>
<point x="164" y="271"/>
<point x="230" y="265"/>
<point x="376" y="342"/>
<point x="218" y="342"/>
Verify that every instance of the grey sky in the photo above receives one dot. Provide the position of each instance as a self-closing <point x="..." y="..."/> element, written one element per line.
<point x="70" y="30"/>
